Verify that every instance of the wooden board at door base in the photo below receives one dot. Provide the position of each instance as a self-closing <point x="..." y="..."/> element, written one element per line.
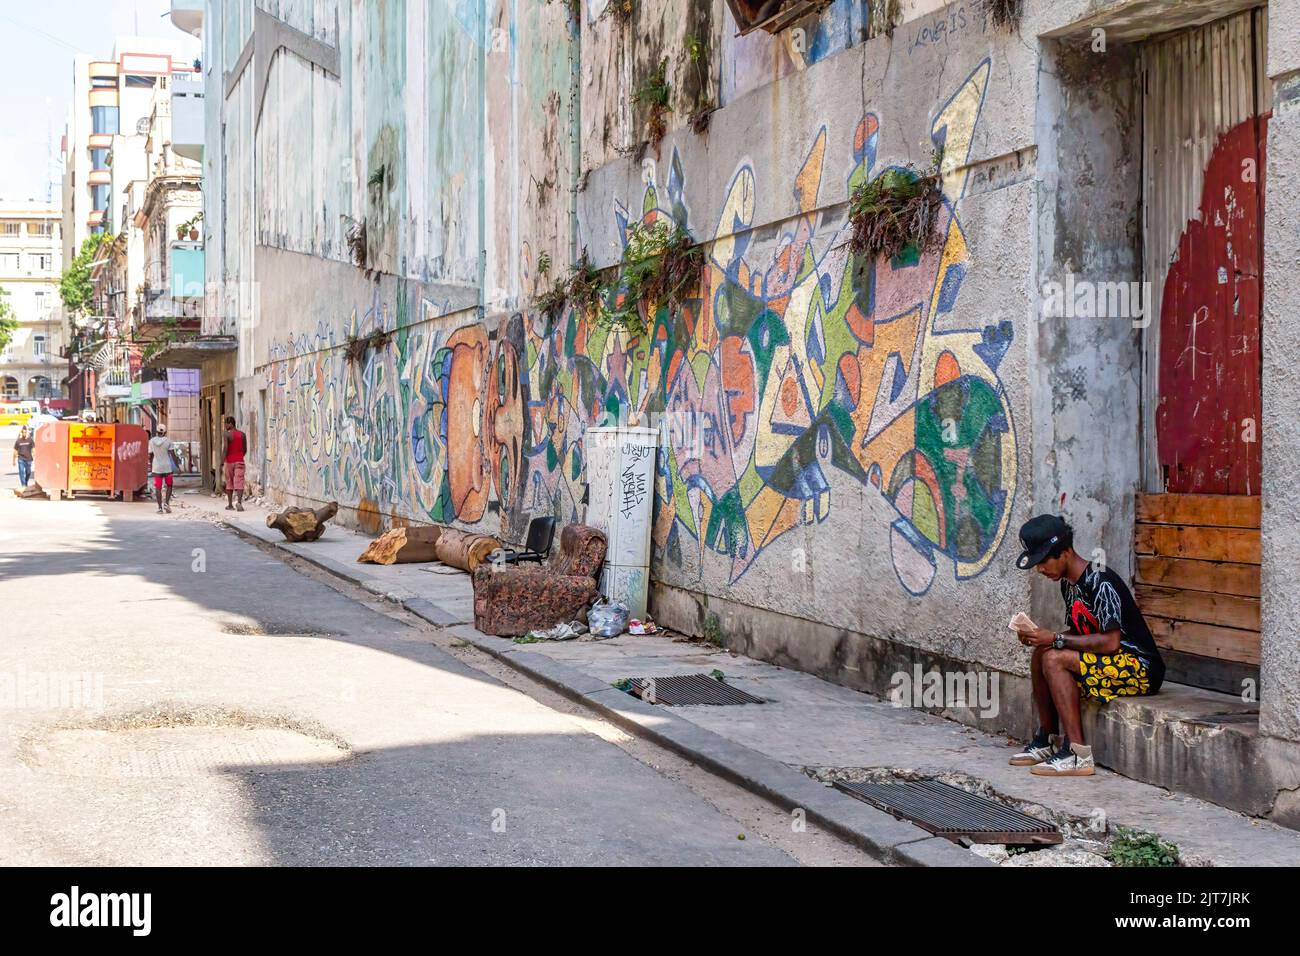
<point x="1198" y="584"/>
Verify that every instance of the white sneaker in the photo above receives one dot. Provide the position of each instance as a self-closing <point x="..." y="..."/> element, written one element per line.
<point x="1072" y="760"/>
<point x="1032" y="753"/>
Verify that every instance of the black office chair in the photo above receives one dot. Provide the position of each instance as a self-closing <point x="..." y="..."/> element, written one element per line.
<point x="541" y="534"/>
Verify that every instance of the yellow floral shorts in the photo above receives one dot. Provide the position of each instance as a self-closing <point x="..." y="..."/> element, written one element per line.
<point x="1105" y="678"/>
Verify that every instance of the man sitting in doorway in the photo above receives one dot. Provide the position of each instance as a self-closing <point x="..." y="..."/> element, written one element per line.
<point x="1106" y="652"/>
<point x="232" y="465"/>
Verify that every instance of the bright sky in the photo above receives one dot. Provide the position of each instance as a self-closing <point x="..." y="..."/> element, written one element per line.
<point x="37" y="43"/>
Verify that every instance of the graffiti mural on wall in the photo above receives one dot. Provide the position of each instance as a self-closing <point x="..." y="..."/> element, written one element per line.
<point x="781" y="372"/>
<point x="784" y="372"/>
<point x="428" y="426"/>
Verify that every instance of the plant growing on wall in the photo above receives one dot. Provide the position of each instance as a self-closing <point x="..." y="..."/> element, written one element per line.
<point x="653" y="94"/>
<point x="1004" y="14"/>
<point x="358" y="346"/>
<point x="697" y="55"/>
<point x="169" y="335"/>
<point x="623" y="11"/>
<point x="660" y="264"/>
<point x="895" y="211"/>
<point x="713" y="631"/>
<point x="581" y="288"/>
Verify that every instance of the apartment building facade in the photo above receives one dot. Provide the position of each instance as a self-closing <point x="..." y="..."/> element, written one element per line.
<point x="846" y="447"/>
<point x="123" y="179"/>
<point x="31" y="254"/>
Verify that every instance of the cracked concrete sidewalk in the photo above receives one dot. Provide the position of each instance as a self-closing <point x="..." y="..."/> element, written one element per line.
<point x="806" y="723"/>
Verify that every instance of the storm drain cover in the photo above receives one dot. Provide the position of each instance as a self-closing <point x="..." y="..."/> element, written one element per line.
<point x="681" y="690"/>
<point x="953" y="813"/>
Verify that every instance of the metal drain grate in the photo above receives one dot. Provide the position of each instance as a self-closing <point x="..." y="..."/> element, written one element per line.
<point x="953" y="813"/>
<point x="684" y="689"/>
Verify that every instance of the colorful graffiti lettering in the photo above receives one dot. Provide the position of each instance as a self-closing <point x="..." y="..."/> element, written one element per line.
<point x="781" y="381"/>
<point x="778" y="374"/>
<point x="428" y="426"/>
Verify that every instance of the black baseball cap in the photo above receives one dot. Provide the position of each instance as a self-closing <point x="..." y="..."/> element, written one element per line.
<point x="1040" y="536"/>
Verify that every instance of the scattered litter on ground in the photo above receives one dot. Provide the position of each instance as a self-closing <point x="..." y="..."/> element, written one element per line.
<point x="560" y="632"/>
<point x="607" y="619"/>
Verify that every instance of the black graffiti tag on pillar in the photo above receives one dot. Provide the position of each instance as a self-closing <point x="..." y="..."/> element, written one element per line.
<point x="634" y="490"/>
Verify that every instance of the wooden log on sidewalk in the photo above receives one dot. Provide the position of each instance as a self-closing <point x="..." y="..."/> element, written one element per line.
<point x="464" y="549"/>
<point x="302" y="524"/>
<point x="403" y="546"/>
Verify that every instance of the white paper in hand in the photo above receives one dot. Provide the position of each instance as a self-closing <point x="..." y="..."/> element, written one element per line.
<point x="1022" y="622"/>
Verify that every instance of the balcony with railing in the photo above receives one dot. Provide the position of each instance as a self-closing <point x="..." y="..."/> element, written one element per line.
<point x="159" y="305"/>
<point x="115" y="381"/>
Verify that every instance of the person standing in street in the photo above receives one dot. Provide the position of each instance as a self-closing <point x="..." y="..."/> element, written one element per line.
<point x="162" y="456"/>
<point x="23" y="447"/>
<point x="232" y="465"/>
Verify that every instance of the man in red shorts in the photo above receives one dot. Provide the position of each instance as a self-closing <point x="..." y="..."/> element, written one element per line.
<point x="163" y="465"/>
<point x="232" y="465"/>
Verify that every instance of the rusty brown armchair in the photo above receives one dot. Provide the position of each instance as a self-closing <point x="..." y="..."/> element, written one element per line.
<point x="511" y="600"/>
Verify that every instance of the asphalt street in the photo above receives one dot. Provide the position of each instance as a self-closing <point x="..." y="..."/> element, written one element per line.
<point x="172" y="694"/>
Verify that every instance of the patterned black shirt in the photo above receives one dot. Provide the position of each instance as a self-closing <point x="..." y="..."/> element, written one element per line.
<point x="1100" y="601"/>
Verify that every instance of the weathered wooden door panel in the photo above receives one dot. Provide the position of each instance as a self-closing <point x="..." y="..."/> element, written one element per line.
<point x="1197" y="582"/>
<point x="1197" y="537"/>
<point x="1203" y="156"/>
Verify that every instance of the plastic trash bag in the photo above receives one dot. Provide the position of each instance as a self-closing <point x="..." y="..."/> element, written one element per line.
<point x="607" y="619"/>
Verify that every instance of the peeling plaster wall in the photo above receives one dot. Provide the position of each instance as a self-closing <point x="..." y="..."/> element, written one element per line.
<point x="810" y="391"/>
<point x="531" y="161"/>
<point x="1087" y="372"/>
<point x="848" y="447"/>
<point x="804" y="397"/>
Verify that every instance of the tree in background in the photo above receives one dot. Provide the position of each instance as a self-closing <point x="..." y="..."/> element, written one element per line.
<point x="74" y="286"/>
<point x="8" y="324"/>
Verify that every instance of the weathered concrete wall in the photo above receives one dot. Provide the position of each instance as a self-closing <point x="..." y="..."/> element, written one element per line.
<point x="851" y="432"/>
<point x="1087" y="369"/>
<point x="847" y="450"/>
<point x="1280" y="521"/>
<point x="805" y="402"/>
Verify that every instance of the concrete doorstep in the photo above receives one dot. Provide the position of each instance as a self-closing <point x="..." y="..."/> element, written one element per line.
<point x="807" y="732"/>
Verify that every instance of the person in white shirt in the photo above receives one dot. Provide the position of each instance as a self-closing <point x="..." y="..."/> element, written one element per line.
<point x="163" y="465"/>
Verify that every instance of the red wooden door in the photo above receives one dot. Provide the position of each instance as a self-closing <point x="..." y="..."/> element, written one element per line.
<point x="1205" y="92"/>
<point x="1207" y="423"/>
